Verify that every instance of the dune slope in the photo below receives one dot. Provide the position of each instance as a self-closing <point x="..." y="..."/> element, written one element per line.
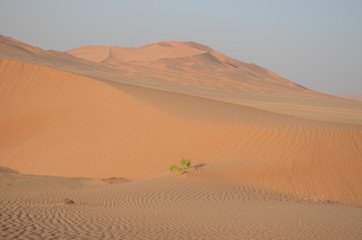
<point x="63" y="124"/>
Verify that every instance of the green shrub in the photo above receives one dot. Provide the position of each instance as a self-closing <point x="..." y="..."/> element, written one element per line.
<point x="174" y="168"/>
<point x="185" y="164"/>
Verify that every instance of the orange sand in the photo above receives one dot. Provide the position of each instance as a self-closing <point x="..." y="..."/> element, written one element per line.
<point x="267" y="147"/>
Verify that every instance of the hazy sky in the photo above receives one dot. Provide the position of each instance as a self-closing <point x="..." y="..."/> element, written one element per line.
<point x="315" y="43"/>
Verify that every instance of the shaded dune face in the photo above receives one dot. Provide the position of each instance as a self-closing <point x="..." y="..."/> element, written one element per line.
<point x="63" y="124"/>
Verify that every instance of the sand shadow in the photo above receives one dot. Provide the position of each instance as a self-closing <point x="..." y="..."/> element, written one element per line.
<point x="197" y="166"/>
<point x="8" y="170"/>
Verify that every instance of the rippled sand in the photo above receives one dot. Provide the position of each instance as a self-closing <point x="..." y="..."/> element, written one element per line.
<point x="169" y="207"/>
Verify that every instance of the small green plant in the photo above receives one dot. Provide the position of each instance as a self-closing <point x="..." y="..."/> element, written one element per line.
<point x="185" y="164"/>
<point x="174" y="168"/>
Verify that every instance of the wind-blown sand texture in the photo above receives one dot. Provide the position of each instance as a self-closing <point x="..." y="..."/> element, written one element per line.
<point x="192" y="207"/>
<point x="275" y="160"/>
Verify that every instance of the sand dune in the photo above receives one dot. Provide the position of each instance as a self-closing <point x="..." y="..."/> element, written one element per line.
<point x="51" y="129"/>
<point x="265" y="159"/>
<point x="189" y="63"/>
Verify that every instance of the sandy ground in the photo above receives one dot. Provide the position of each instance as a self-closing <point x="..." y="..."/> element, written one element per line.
<point x="274" y="160"/>
<point x="168" y="207"/>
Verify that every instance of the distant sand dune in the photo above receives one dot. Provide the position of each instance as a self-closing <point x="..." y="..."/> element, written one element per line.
<point x="188" y="63"/>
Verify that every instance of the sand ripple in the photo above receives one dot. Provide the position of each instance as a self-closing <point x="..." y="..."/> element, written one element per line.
<point x="191" y="207"/>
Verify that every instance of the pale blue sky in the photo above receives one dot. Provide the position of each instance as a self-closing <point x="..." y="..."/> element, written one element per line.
<point x="315" y="43"/>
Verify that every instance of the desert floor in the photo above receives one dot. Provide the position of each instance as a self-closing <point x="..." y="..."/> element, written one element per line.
<point x="194" y="206"/>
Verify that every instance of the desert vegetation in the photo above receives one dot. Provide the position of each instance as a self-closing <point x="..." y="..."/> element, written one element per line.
<point x="184" y="164"/>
